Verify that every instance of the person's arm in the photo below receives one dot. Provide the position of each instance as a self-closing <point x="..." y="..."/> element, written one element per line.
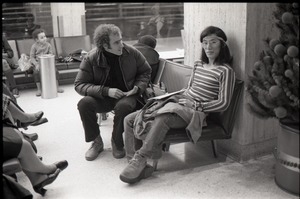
<point x="144" y="70"/>
<point x="227" y="81"/>
<point x="9" y="53"/>
<point x="50" y="50"/>
<point x="84" y="81"/>
<point x="33" y="57"/>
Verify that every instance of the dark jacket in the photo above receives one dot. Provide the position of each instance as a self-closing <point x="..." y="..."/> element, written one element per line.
<point x="94" y="71"/>
<point x="7" y="49"/>
<point x="151" y="55"/>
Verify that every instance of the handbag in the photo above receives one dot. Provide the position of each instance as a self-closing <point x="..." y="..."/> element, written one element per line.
<point x="24" y="62"/>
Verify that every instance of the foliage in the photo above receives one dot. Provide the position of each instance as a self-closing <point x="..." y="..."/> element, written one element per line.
<point x="273" y="86"/>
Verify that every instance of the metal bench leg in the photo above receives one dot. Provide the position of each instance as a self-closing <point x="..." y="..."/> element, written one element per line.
<point x="214" y="147"/>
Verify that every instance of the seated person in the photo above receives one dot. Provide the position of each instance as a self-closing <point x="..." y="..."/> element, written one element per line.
<point x="8" y="65"/>
<point x="30" y="25"/>
<point x="40" y="47"/>
<point x="146" y="45"/>
<point x="15" y="146"/>
<point x="209" y="90"/>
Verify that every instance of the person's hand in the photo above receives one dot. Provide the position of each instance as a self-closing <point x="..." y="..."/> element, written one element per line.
<point x="186" y="102"/>
<point x="115" y="93"/>
<point x="37" y="67"/>
<point x="132" y="91"/>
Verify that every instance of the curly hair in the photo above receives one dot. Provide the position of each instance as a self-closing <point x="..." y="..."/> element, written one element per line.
<point x="224" y="55"/>
<point x="102" y="32"/>
<point x="36" y="32"/>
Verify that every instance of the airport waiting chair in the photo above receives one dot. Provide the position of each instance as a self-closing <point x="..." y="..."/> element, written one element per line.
<point x="219" y="125"/>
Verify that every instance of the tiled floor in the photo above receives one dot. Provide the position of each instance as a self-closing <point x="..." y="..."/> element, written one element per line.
<point x="186" y="171"/>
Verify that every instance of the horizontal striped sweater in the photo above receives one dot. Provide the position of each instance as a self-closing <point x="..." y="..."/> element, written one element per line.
<point x="213" y="88"/>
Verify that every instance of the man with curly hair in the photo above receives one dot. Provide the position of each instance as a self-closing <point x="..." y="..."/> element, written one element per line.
<point x="113" y="76"/>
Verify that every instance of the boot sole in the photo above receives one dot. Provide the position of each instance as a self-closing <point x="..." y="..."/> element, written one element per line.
<point x="146" y="172"/>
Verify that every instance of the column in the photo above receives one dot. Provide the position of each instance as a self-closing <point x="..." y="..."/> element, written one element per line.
<point x="68" y="19"/>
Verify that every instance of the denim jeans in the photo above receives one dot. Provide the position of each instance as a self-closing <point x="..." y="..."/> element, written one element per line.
<point x="88" y="108"/>
<point x="154" y="139"/>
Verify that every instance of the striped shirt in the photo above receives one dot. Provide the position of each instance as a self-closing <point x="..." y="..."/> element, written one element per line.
<point x="213" y="88"/>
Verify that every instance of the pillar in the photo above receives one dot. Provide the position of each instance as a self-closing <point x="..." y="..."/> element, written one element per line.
<point x="68" y="19"/>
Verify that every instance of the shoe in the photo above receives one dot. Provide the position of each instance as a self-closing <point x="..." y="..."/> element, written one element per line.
<point x="32" y="136"/>
<point x="95" y="149"/>
<point x="61" y="164"/>
<point x="118" y="154"/>
<point x="60" y="90"/>
<point x="39" y="188"/>
<point x="15" y="92"/>
<point x="39" y="122"/>
<point x="37" y="118"/>
<point x="136" y="170"/>
<point x="38" y="93"/>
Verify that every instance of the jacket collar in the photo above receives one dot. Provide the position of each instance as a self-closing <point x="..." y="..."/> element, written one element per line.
<point x="101" y="59"/>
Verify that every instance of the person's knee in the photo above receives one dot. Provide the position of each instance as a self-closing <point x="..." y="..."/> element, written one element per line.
<point x="5" y="66"/>
<point x="129" y="119"/>
<point x="85" y="104"/>
<point x="124" y="109"/>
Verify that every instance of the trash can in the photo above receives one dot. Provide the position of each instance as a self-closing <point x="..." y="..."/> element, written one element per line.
<point x="48" y="76"/>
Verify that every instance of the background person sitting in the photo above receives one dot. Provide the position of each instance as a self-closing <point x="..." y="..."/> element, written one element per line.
<point x="30" y="25"/>
<point x="40" y="47"/>
<point x="146" y="45"/>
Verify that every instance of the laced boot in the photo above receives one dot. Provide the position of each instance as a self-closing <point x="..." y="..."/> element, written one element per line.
<point x="136" y="170"/>
<point x="95" y="149"/>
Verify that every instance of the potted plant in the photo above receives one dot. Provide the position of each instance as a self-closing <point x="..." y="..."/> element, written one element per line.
<point x="273" y="89"/>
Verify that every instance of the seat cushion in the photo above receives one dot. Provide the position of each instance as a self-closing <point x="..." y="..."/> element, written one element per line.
<point x="66" y="45"/>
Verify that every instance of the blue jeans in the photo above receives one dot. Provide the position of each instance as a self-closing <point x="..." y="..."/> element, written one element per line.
<point x="155" y="137"/>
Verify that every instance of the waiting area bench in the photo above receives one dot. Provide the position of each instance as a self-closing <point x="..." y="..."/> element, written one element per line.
<point x="62" y="47"/>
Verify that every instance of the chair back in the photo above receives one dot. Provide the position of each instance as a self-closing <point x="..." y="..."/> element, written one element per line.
<point x="66" y="45"/>
<point x="175" y="76"/>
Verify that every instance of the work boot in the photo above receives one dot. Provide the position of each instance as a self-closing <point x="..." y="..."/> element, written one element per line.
<point x="116" y="152"/>
<point x="95" y="149"/>
<point x="136" y="170"/>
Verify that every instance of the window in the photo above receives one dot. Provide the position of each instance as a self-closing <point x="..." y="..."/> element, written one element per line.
<point x="16" y="16"/>
<point x="132" y="18"/>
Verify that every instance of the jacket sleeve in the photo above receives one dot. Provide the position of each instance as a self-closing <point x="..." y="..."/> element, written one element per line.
<point x="143" y="72"/>
<point x="84" y="81"/>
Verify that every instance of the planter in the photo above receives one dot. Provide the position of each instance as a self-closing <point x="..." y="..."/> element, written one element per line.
<point x="287" y="159"/>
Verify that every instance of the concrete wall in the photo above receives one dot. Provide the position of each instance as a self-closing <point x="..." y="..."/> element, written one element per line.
<point x="246" y="25"/>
